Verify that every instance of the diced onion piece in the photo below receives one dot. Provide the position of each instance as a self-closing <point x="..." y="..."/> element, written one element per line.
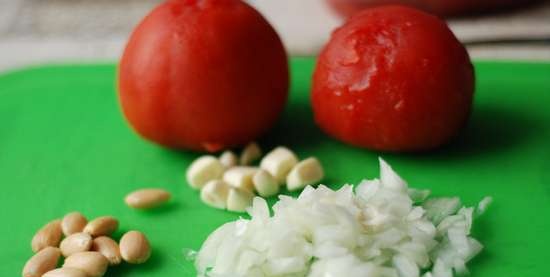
<point x="367" y="189"/>
<point x="307" y="172"/>
<point x="228" y="159"/>
<point x="419" y="195"/>
<point x="439" y="208"/>
<point x="238" y="200"/>
<point x="279" y="162"/>
<point x="416" y="213"/>
<point x="264" y="184"/>
<point x="251" y="153"/>
<point x="214" y="194"/>
<point x="202" y="170"/>
<point x="405" y="267"/>
<point x="441" y="270"/>
<point x="377" y="231"/>
<point x="483" y="204"/>
<point x="389" y="178"/>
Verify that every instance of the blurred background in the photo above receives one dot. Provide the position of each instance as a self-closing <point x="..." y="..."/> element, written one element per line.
<point x="60" y="31"/>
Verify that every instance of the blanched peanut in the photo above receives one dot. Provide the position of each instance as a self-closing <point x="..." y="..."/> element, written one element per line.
<point x="250" y="153"/>
<point x="238" y="199"/>
<point x="265" y="184"/>
<point x="306" y="172"/>
<point x="214" y="194"/>
<point x="73" y="223"/>
<point x="92" y="263"/>
<point x="42" y="262"/>
<point x="75" y="243"/>
<point x="204" y="169"/>
<point x="147" y="198"/>
<point x="228" y="159"/>
<point x="49" y="235"/>
<point x="108" y="248"/>
<point x="240" y="177"/>
<point x="66" y="272"/>
<point x="101" y="226"/>
<point x="134" y="247"/>
<point x="279" y="162"/>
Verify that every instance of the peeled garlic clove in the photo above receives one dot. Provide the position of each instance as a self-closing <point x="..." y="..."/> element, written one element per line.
<point x="240" y="177"/>
<point x="204" y="169"/>
<point x="265" y="184"/>
<point x="279" y="162"/>
<point x="214" y="194"/>
<point x="250" y="153"/>
<point x="228" y="159"/>
<point x="238" y="200"/>
<point x="306" y="172"/>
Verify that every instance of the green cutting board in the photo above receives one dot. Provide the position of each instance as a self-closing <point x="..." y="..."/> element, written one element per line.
<point x="64" y="146"/>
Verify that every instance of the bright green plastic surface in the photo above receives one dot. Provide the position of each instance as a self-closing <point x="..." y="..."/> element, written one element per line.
<point x="64" y="146"/>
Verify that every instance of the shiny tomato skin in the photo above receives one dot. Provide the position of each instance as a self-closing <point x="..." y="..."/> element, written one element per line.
<point x="203" y="75"/>
<point x="393" y="79"/>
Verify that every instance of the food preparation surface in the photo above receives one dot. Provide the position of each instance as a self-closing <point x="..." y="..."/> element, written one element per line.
<point x="64" y="146"/>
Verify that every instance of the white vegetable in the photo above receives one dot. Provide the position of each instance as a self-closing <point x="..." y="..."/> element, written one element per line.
<point x="214" y="194"/>
<point x="378" y="231"/>
<point x="202" y="170"/>
<point x="228" y="159"/>
<point x="389" y="178"/>
<point x="419" y="195"/>
<point x="265" y="184"/>
<point x="405" y="267"/>
<point x="441" y="270"/>
<point x="279" y="162"/>
<point x="238" y="199"/>
<point x="240" y="177"/>
<point x="306" y="172"/>
<point x="483" y="205"/>
<point x="439" y="208"/>
<point x="250" y="153"/>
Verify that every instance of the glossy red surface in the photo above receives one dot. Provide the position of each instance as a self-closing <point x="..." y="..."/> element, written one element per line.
<point x="203" y="75"/>
<point x="393" y="79"/>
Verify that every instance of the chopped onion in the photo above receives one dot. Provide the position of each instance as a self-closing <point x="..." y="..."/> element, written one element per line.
<point x="383" y="229"/>
<point x="483" y="205"/>
<point x="439" y="208"/>
<point x="419" y="195"/>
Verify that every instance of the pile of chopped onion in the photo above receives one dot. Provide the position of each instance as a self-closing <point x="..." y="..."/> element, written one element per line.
<point x="382" y="229"/>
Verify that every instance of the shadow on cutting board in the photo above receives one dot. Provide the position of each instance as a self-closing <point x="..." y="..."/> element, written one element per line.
<point x="491" y="130"/>
<point x="295" y="128"/>
<point x="124" y="269"/>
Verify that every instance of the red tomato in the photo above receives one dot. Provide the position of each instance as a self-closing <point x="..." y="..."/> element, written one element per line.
<point x="439" y="7"/>
<point x="393" y="79"/>
<point x="203" y="75"/>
